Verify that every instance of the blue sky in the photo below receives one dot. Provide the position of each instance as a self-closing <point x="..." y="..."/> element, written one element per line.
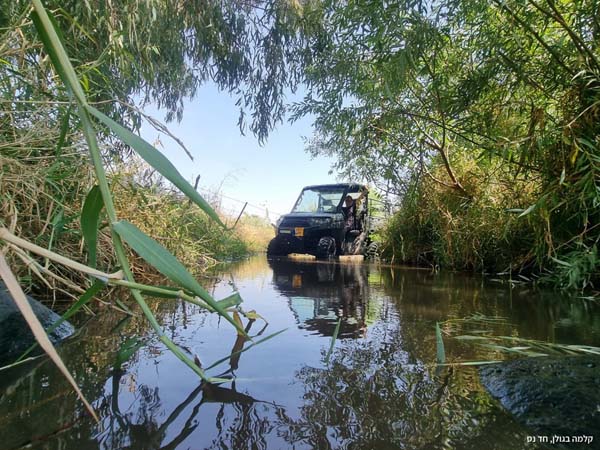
<point x="270" y="176"/>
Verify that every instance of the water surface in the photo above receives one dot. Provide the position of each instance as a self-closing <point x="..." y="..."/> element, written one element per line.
<point x="380" y="390"/>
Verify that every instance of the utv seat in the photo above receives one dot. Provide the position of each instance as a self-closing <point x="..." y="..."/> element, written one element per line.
<point x="327" y="206"/>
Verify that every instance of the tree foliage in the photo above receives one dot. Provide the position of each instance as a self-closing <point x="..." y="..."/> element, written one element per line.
<point x="405" y="92"/>
<point x="443" y="98"/>
<point x="161" y="51"/>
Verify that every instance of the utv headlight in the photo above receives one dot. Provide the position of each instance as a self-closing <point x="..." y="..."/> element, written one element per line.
<point x="320" y="221"/>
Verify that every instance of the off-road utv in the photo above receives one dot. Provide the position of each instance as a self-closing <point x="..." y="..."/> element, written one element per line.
<point x="322" y="224"/>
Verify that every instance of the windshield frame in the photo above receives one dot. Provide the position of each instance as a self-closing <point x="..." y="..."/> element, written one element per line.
<point x="334" y="189"/>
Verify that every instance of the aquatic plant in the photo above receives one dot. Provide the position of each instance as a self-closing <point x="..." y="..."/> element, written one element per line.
<point x="468" y="330"/>
<point x="333" y="339"/>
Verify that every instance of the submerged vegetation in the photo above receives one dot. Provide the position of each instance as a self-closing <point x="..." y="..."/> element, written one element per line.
<point x="486" y="334"/>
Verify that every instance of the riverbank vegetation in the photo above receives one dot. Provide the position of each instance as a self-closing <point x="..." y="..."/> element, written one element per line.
<point x="480" y="117"/>
<point x="74" y="187"/>
<point x="46" y="198"/>
<point x="123" y="54"/>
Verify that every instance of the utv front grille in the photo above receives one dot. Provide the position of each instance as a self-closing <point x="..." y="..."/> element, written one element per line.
<point x="291" y="223"/>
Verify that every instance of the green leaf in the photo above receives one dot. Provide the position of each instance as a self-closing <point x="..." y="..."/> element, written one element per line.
<point x="159" y="257"/>
<point x="64" y="128"/>
<point x="157" y="160"/>
<point x="163" y="261"/>
<point x="528" y="210"/>
<point x="587" y="143"/>
<point x="58" y="224"/>
<point x="253" y="315"/>
<point x="90" y="220"/>
<point x="127" y="350"/>
<point x="232" y="300"/>
<point x="51" y="37"/>
<point x="48" y="46"/>
<point x="150" y="293"/>
<point x="439" y="342"/>
<point x="466" y="337"/>
<point x="561" y="262"/>
<point x="85" y="298"/>
<point x="222" y="360"/>
<point x="218" y="380"/>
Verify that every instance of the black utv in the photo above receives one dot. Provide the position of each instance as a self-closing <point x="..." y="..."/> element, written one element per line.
<point x="327" y="220"/>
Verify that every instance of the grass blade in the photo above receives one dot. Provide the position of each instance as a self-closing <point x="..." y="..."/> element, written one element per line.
<point x="158" y="256"/>
<point x="52" y="43"/>
<point x="64" y="128"/>
<point x="127" y="350"/>
<point x="333" y="338"/>
<point x="90" y="220"/>
<point x="50" y="36"/>
<point x="528" y="210"/>
<point x="468" y="337"/>
<point x="439" y="343"/>
<point x="161" y="259"/>
<point x="36" y="328"/>
<point x="157" y="160"/>
<point x="232" y="300"/>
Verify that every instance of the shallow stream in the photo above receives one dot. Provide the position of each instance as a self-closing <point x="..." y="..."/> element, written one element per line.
<point x="380" y="389"/>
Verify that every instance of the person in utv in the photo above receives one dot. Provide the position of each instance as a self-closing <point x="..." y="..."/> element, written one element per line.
<point x="349" y="211"/>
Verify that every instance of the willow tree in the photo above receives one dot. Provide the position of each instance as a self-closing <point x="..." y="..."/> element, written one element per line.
<point x="162" y="51"/>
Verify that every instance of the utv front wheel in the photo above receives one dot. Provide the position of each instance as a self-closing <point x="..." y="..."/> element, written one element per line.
<point x="326" y="248"/>
<point x="276" y="248"/>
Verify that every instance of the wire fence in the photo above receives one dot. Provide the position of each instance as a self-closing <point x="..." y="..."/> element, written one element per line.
<point x="234" y="207"/>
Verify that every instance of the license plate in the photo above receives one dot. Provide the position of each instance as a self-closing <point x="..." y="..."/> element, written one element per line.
<point x="297" y="281"/>
<point x="299" y="231"/>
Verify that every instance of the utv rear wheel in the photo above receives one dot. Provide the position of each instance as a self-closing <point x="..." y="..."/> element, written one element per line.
<point x="276" y="248"/>
<point x="326" y="248"/>
<point x="372" y="251"/>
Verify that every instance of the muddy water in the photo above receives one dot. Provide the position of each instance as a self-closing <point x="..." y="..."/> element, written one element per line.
<point x="379" y="390"/>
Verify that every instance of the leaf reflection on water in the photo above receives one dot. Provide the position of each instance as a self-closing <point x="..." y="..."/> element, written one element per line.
<point x="132" y="433"/>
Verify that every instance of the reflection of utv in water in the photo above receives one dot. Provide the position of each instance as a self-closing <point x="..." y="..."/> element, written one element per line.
<point x="327" y="220"/>
<point x="319" y="294"/>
